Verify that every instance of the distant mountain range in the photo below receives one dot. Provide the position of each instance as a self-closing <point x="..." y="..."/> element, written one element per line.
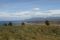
<point x="34" y="20"/>
<point x="42" y="19"/>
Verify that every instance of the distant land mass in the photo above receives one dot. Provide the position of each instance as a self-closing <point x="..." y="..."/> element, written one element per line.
<point x="42" y="19"/>
<point x="34" y="20"/>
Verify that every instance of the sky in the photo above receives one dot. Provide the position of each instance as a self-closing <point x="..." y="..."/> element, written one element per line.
<point x="26" y="9"/>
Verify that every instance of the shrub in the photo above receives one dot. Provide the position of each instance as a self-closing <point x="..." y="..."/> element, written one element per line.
<point x="10" y="24"/>
<point x="5" y="24"/>
<point x="47" y="22"/>
<point x="22" y="23"/>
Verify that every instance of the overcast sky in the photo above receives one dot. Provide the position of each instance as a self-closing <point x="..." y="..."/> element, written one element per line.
<point x="25" y="9"/>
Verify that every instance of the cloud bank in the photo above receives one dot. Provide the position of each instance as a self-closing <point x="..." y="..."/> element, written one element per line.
<point x="22" y="15"/>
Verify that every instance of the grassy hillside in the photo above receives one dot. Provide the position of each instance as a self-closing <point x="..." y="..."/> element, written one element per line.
<point x="30" y="32"/>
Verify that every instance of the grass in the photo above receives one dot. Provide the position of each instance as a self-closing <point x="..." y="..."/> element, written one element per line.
<point x="30" y="32"/>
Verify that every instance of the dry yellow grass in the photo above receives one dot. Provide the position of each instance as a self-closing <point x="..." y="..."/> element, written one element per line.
<point x="30" y="32"/>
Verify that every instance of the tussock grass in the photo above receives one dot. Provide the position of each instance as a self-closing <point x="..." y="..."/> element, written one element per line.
<point x="30" y="32"/>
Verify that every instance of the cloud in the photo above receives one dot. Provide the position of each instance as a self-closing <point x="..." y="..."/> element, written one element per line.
<point x="36" y="9"/>
<point x="22" y="15"/>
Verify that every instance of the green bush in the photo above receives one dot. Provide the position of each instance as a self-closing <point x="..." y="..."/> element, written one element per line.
<point x="10" y="24"/>
<point x="22" y="23"/>
<point x="47" y="22"/>
<point x="5" y="24"/>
